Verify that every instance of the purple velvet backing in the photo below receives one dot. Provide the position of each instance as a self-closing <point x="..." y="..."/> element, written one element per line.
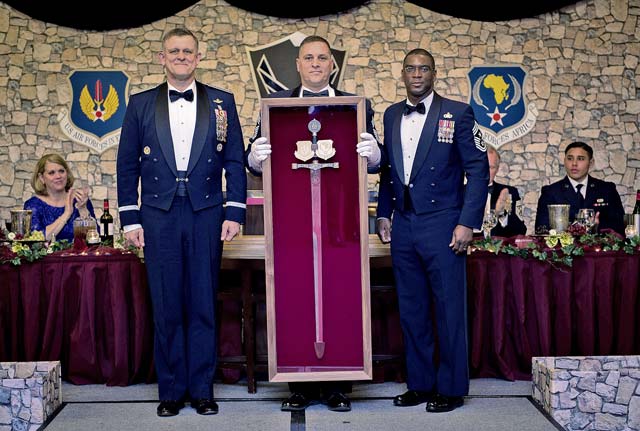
<point x="293" y="243"/>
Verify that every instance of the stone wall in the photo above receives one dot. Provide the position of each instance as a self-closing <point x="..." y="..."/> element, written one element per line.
<point x="583" y="65"/>
<point x="589" y="392"/>
<point x="30" y="393"/>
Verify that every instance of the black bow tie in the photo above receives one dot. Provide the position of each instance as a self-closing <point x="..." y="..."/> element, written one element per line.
<point x="175" y="95"/>
<point x="323" y="93"/>
<point x="419" y="108"/>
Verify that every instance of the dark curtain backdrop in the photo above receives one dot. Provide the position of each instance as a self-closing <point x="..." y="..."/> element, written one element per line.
<point x="123" y="14"/>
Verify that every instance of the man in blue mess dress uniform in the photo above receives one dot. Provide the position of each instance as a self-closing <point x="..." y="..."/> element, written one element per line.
<point x="580" y="190"/>
<point x="176" y="141"/>
<point x="430" y="144"/>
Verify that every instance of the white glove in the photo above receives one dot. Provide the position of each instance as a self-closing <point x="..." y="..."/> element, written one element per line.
<point x="368" y="148"/>
<point x="260" y="149"/>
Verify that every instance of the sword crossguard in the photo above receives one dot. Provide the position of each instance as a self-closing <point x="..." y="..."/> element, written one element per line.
<point x="315" y="166"/>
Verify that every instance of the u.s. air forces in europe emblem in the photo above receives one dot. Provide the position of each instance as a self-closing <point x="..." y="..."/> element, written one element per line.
<point x="98" y="104"/>
<point x="499" y="103"/>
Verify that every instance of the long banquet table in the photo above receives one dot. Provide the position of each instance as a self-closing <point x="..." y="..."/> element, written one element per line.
<point x="93" y="312"/>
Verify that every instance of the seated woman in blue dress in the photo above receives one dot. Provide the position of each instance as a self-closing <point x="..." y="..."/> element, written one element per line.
<point x="56" y="203"/>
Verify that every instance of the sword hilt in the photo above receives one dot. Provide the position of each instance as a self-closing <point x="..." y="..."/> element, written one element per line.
<point x="314" y="166"/>
<point x="314" y="127"/>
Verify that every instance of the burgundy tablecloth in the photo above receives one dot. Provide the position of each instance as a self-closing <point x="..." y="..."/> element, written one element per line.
<point x="90" y="312"/>
<point x="93" y="313"/>
<point x="523" y="308"/>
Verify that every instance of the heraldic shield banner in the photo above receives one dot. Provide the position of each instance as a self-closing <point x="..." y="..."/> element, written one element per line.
<point x="316" y="237"/>
<point x="273" y="66"/>
<point x="499" y="103"/>
<point x="97" y="108"/>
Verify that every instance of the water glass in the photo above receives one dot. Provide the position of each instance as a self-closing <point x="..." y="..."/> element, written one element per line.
<point x="559" y="216"/>
<point x="81" y="226"/>
<point x="21" y="222"/>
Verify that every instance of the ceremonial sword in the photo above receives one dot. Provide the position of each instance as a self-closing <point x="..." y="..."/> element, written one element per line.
<point x="318" y="149"/>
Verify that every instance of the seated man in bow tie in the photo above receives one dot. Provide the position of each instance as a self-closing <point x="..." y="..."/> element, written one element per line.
<point x="581" y="190"/>
<point x="314" y="64"/>
<point x="504" y="200"/>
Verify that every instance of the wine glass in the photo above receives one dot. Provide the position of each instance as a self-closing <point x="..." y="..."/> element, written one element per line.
<point x="490" y="221"/>
<point x="586" y="217"/>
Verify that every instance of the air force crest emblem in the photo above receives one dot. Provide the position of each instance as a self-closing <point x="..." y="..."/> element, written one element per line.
<point x="97" y="108"/>
<point x="499" y="103"/>
<point x="273" y="66"/>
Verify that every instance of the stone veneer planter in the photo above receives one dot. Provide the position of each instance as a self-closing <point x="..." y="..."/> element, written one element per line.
<point x="30" y="392"/>
<point x="589" y="392"/>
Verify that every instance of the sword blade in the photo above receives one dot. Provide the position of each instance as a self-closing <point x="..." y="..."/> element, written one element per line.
<point x="316" y="223"/>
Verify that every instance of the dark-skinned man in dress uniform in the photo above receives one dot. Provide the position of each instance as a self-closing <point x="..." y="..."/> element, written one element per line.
<point x="430" y="144"/>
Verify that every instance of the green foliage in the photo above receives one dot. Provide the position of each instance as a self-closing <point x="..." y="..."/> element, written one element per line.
<point x="16" y="252"/>
<point x="558" y="249"/>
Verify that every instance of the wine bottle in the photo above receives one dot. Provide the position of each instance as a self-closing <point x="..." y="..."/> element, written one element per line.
<point x="106" y="223"/>
<point x="636" y="213"/>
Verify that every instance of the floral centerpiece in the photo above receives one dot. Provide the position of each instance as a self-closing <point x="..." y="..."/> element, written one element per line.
<point x="16" y="249"/>
<point x="558" y="248"/>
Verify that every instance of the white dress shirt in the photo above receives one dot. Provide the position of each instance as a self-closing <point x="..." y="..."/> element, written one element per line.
<point x="575" y="183"/>
<point x="410" y="130"/>
<point x="182" y="118"/>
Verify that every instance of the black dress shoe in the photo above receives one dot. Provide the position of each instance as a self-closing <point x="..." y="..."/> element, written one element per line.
<point x="169" y="408"/>
<point x="413" y="398"/>
<point x="296" y="402"/>
<point x="338" y="402"/>
<point x="205" y="406"/>
<point x="443" y="403"/>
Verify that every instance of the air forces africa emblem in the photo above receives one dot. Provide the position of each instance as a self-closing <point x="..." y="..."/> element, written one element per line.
<point x="499" y="103"/>
<point x="273" y="69"/>
<point x="98" y="104"/>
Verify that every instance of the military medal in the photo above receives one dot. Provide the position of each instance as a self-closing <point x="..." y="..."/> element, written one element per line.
<point x="600" y="203"/>
<point x="446" y="129"/>
<point x="221" y="124"/>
